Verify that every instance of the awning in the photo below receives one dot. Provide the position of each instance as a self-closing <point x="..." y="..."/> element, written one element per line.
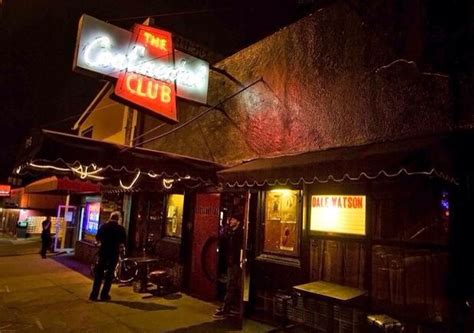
<point x="432" y="157"/>
<point x="55" y="153"/>
<point x="61" y="185"/>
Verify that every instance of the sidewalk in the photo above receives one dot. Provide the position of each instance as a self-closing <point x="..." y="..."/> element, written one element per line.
<point x="52" y="295"/>
<point x="11" y="246"/>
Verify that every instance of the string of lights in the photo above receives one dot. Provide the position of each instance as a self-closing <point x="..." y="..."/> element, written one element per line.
<point x="128" y="187"/>
<point x="315" y="179"/>
<point x="91" y="172"/>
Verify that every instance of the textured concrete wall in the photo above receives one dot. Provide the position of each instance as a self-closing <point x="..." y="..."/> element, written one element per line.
<point x="328" y="80"/>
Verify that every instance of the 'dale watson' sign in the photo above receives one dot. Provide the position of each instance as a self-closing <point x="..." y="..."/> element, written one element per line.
<point x="343" y="214"/>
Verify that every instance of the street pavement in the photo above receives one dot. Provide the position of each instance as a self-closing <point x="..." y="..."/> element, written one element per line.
<point x="10" y="246"/>
<point x="51" y="295"/>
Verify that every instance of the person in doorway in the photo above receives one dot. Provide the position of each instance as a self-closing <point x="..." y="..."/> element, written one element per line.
<point x="111" y="236"/>
<point x="45" y="237"/>
<point x="233" y="237"/>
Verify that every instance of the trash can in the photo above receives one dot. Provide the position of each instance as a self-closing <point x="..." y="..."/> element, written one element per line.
<point x="21" y="228"/>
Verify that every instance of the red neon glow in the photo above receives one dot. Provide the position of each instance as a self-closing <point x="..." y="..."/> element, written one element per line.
<point x="158" y="43"/>
<point x="5" y="190"/>
<point x="155" y="95"/>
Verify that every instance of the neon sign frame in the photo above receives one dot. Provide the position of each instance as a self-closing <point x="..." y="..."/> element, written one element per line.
<point x="106" y="50"/>
<point x="140" y="86"/>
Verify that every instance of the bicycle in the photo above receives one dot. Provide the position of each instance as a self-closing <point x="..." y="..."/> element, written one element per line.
<point x="125" y="271"/>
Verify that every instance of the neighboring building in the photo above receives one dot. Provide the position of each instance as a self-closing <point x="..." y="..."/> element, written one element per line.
<point x="107" y="120"/>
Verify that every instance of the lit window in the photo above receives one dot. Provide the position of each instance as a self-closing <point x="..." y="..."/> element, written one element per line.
<point x="338" y="213"/>
<point x="282" y="231"/>
<point x="174" y="215"/>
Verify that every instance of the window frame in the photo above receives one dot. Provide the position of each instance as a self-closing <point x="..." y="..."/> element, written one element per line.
<point x="164" y="234"/>
<point x="85" y="133"/>
<point x="274" y="256"/>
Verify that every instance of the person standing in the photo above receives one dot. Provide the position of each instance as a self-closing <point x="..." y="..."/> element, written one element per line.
<point x="45" y="237"/>
<point x="233" y="237"/>
<point x="111" y="236"/>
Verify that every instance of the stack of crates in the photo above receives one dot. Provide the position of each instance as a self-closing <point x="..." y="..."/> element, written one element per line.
<point x="348" y="320"/>
<point x="296" y="311"/>
<point x="316" y="314"/>
<point x="281" y="301"/>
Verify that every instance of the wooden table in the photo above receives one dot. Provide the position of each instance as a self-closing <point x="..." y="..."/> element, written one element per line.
<point x="332" y="293"/>
<point x="143" y="270"/>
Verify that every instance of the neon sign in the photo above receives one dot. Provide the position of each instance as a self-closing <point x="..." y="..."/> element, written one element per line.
<point x="137" y="84"/>
<point x="92" y="217"/>
<point x="105" y="49"/>
<point x="344" y="214"/>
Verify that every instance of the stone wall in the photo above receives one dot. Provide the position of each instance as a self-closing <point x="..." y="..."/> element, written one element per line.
<point x="327" y="80"/>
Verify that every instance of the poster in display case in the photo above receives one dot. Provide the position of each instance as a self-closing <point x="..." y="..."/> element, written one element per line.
<point x="174" y="215"/>
<point x="92" y="218"/>
<point x="281" y="222"/>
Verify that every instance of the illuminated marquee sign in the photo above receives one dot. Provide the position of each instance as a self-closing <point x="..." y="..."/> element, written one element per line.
<point x="338" y="213"/>
<point x="5" y="190"/>
<point x="116" y="53"/>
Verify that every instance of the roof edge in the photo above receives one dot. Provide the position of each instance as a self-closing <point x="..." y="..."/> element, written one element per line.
<point x="92" y="105"/>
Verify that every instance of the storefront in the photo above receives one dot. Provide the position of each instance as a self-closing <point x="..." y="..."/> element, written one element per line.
<point x="25" y="211"/>
<point x="151" y="189"/>
<point x="377" y="218"/>
<point x="95" y="210"/>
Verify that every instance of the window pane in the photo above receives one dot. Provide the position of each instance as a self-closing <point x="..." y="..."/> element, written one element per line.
<point x="420" y="216"/>
<point x="281" y="231"/>
<point x="174" y="215"/>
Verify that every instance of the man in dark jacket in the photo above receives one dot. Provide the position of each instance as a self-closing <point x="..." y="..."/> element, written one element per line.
<point x="233" y="237"/>
<point x="111" y="236"/>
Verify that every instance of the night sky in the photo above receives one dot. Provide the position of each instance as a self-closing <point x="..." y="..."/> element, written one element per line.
<point x="38" y="87"/>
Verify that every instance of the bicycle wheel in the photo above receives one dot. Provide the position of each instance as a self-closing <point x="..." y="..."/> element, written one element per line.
<point x="126" y="271"/>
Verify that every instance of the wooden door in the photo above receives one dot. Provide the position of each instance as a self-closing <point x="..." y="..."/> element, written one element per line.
<point x="204" y="247"/>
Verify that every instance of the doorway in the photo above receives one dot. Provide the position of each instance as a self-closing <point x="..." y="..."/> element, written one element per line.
<point x="204" y="263"/>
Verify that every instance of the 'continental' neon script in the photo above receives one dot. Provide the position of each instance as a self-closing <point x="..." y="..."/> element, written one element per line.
<point x="100" y="53"/>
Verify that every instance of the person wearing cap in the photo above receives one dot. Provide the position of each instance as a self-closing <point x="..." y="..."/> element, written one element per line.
<point x="233" y="238"/>
<point x="111" y="236"/>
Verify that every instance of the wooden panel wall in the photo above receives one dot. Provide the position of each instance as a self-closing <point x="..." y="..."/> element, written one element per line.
<point x="337" y="261"/>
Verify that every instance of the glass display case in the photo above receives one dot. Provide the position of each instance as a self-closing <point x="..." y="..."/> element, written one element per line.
<point x="174" y="215"/>
<point x="281" y="227"/>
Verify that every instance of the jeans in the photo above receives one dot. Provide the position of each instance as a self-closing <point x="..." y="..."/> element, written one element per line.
<point x="45" y="245"/>
<point x="232" y="294"/>
<point x="104" y="271"/>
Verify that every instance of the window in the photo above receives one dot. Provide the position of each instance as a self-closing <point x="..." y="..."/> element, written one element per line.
<point x="282" y="226"/>
<point x="174" y="215"/>
<point x="90" y="215"/>
<point x="419" y="215"/>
